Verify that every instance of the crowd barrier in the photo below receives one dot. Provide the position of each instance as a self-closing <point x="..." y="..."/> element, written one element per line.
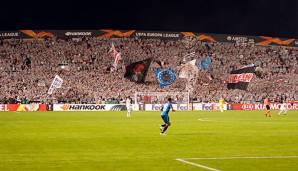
<point x="143" y="107"/>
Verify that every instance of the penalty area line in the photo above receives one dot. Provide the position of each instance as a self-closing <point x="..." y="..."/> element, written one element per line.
<point x="185" y="160"/>
<point x="242" y="157"/>
<point x="197" y="165"/>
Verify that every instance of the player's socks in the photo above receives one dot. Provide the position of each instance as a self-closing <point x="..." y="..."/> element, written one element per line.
<point x="165" y="128"/>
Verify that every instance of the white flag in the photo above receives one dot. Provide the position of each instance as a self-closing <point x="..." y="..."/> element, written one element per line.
<point x="192" y="62"/>
<point x="189" y="56"/>
<point x="189" y="69"/>
<point x="57" y="83"/>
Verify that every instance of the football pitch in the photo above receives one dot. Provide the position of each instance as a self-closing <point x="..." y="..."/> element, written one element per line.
<point x="233" y="140"/>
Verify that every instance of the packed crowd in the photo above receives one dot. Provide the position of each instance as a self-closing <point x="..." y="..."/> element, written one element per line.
<point x="27" y="68"/>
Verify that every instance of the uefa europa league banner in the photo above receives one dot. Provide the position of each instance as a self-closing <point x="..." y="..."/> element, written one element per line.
<point x="140" y="34"/>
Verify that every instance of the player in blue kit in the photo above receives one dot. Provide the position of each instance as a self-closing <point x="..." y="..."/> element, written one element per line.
<point x="165" y="116"/>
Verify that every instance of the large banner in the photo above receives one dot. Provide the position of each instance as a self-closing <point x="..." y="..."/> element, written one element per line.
<point x="89" y="107"/>
<point x="273" y="106"/>
<point x="165" y="77"/>
<point x="239" y="79"/>
<point x="137" y="71"/>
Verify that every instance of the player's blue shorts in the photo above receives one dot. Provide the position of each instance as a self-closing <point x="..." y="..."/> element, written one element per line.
<point x="165" y="118"/>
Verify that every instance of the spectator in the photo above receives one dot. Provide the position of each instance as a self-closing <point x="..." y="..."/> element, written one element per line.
<point x="87" y="80"/>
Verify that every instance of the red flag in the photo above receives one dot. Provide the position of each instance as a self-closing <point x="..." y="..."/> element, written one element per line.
<point x="116" y="55"/>
<point x="117" y="58"/>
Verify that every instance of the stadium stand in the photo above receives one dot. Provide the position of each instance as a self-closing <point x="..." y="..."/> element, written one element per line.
<point x="28" y="66"/>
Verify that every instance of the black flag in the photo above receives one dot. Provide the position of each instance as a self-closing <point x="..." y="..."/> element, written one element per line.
<point x="239" y="79"/>
<point x="137" y="71"/>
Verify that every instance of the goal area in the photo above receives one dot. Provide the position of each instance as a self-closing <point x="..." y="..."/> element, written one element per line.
<point x="154" y="100"/>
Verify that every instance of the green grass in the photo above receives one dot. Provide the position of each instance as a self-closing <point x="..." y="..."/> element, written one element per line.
<point x="109" y="141"/>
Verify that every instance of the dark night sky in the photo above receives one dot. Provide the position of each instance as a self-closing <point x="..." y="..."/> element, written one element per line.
<point x="254" y="17"/>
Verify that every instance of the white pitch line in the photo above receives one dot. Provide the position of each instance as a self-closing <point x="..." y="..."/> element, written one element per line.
<point x="248" y="157"/>
<point x="207" y="120"/>
<point x="184" y="160"/>
<point x="204" y="120"/>
<point x="198" y="165"/>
